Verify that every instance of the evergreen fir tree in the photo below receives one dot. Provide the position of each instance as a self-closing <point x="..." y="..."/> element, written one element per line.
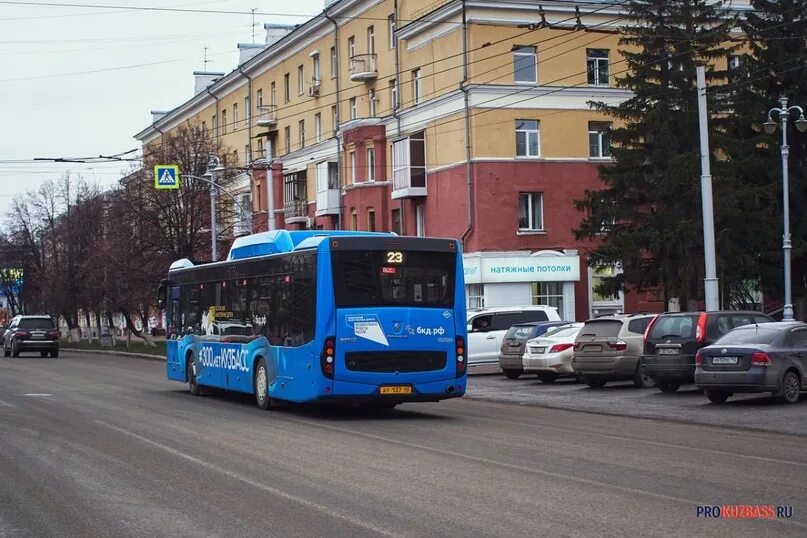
<point x="650" y="203"/>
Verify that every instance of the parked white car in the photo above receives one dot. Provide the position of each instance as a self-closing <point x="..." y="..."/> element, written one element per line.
<point x="487" y="327"/>
<point x="550" y="356"/>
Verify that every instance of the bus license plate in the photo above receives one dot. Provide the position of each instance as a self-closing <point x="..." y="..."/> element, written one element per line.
<point x="396" y="389"/>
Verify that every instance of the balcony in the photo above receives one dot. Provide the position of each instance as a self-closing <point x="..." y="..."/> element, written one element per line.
<point x="363" y="67"/>
<point x="328" y="202"/>
<point x="267" y="117"/>
<point x="295" y="211"/>
<point x="409" y="182"/>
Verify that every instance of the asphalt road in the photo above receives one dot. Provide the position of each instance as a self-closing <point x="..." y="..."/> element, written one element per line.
<point x="746" y="411"/>
<point x="104" y="446"/>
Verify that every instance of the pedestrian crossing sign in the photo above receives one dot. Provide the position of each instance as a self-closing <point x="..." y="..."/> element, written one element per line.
<point x="166" y="176"/>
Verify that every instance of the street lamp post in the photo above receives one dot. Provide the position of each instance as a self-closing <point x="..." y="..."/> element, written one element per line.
<point x="784" y="113"/>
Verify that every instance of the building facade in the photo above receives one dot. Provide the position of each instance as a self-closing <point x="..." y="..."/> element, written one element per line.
<point x="455" y="118"/>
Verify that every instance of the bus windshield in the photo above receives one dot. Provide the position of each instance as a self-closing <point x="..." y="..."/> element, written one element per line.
<point x="394" y="278"/>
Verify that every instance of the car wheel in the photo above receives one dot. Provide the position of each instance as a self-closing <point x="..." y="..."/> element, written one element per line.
<point x="791" y="386"/>
<point x="55" y="353"/>
<point x="14" y="351"/>
<point x="547" y="377"/>
<point x="43" y="354"/>
<point x="641" y="380"/>
<point x="512" y="374"/>
<point x="6" y="351"/>
<point x="261" y="385"/>
<point x="668" y="387"/>
<point x="594" y="383"/>
<point x="717" y="396"/>
<point x="193" y="383"/>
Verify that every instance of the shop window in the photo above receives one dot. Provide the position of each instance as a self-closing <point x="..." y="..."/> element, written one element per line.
<point x="476" y="295"/>
<point x="549" y="294"/>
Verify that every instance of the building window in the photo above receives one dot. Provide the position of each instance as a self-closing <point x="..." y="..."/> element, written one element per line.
<point x="549" y="294"/>
<point x="333" y="62"/>
<point x="528" y="138"/>
<point x="599" y="140"/>
<point x="371" y="40"/>
<point x="294" y="187"/>
<point x="354" y="109"/>
<point x="224" y="121"/>
<point x="597" y="66"/>
<point x="215" y="124"/>
<point x="417" y="91"/>
<point x="476" y="295"/>
<point x="318" y="127"/>
<point x="370" y="164"/>
<point x="393" y="94"/>
<point x="734" y="63"/>
<point x="247" y="111"/>
<point x="598" y="278"/>
<point x="354" y="220"/>
<point x="396" y="221"/>
<point x="315" y="69"/>
<point x="391" y="25"/>
<point x="287" y="138"/>
<point x="286" y="88"/>
<point x="525" y="65"/>
<point x="235" y="114"/>
<point x="353" y="167"/>
<point x="260" y="148"/>
<point x="335" y="118"/>
<point x="351" y="47"/>
<point x="272" y="94"/>
<point x="420" y="221"/>
<point x="247" y="154"/>
<point x="300" y="80"/>
<point x="371" y="220"/>
<point x="409" y="162"/>
<point x="371" y="101"/>
<point x="531" y="211"/>
<point x="259" y="99"/>
<point x="301" y="125"/>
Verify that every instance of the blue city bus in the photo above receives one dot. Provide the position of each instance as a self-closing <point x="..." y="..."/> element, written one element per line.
<point x="326" y="316"/>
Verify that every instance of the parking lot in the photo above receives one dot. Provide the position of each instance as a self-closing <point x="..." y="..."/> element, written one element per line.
<point x="746" y="411"/>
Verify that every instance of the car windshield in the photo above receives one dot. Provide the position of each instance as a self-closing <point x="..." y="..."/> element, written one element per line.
<point x="521" y="332"/>
<point x="605" y="327"/>
<point x="748" y="335"/>
<point x="563" y="332"/>
<point x="675" y="326"/>
<point x="35" y="323"/>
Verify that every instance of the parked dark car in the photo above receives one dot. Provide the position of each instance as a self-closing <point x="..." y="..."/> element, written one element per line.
<point x="769" y="357"/>
<point x="31" y="333"/>
<point x="514" y="341"/>
<point x="672" y="340"/>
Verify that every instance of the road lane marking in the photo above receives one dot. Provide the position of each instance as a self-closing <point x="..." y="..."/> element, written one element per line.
<point x="37" y="394"/>
<point x="645" y="441"/>
<point x="6" y="404"/>
<point x="521" y="469"/>
<point x="235" y="476"/>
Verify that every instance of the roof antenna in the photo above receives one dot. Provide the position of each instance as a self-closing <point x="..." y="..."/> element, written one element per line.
<point x="206" y="61"/>
<point x="253" y="24"/>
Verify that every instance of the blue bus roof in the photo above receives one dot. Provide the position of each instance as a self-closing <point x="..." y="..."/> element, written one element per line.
<point x="279" y="241"/>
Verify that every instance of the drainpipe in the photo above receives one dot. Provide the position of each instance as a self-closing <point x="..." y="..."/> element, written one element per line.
<point x="336" y="129"/>
<point x="218" y="116"/>
<point x="249" y="139"/>
<point x="469" y="171"/>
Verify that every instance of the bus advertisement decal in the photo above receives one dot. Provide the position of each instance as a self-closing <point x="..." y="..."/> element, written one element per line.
<point x="367" y="327"/>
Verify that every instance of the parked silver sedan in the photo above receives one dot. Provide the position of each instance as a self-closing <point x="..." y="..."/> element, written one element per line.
<point x="550" y="356"/>
<point x="769" y="357"/>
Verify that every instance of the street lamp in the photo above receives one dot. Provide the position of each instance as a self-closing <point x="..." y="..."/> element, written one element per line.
<point x="770" y="127"/>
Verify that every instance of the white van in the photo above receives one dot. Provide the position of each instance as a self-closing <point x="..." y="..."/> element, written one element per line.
<point x="487" y="327"/>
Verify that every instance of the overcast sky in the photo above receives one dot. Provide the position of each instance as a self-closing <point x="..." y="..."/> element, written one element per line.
<point x="80" y="82"/>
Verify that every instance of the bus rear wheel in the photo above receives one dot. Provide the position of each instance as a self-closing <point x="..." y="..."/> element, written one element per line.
<point x="261" y="385"/>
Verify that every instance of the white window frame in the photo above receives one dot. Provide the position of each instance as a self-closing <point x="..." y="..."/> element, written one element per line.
<point x="417" y="89"/>
<point x="259" y="99"/>
<point x="371" y="101"/>
<point x="351" y="46"/>
<point x="547" y="296"/>
<point x="371" y="39"/>
<point x="392" y="27"/>
<point x="475" y="295"/>
<point x="335" y="118"/>
<point x="352" y="160"/>
<point x="420" y="221"/>
<point x="370" y="177"/>
<point x="300" y="80"/>
<point x="301" y="135"/>
<point x="603" y="143"/>
<point x="528" y="134"/>
<point x="223" y="121"/>
<point x="248" y="110"/>
<point x="354" y="108"/>
<point x="531" y="200"/>
<point x="318" y="127"/>
<point x="525" y="52"/>
<point x="334" y="62"/>
<point x="315" y="68"/>
<point x="287" y="138"/>
<point x="272" y="94"/>
<point x="593" y="61"/>
<point x="393" y="93"/>
<point x="287" y="87"/>
<point x="235" y="114"/>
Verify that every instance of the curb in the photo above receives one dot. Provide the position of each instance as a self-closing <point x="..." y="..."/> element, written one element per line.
<point x="117" y="353"/>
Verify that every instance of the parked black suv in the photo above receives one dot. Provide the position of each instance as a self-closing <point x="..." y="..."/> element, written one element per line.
<point x="31" y="333"/>
<point x="672" y="340"/>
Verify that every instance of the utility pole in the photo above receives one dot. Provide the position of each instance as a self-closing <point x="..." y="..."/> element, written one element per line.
<point x="710" y="283"/>
<point x="213" y="169"/>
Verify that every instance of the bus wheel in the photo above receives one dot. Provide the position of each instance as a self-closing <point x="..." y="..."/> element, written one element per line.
<point x="193" y="384"/>
<point x="261" y="385"/>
